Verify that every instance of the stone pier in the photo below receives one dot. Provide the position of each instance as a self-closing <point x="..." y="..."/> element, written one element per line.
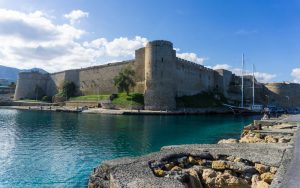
<point x="261" y="158"/>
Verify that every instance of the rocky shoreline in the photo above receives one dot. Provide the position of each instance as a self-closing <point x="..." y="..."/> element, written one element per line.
<point x="259" y="159"/>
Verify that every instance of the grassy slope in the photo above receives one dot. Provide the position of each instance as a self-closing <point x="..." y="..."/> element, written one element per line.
<point x="121" y="100"/>
<point x="91" y="97"/>
<point x="126" y="101"/>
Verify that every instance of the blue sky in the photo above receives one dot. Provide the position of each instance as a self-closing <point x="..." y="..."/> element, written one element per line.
<point x="212" y="32"/>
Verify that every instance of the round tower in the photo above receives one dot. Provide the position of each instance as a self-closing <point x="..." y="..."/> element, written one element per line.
<point x="160" y="67"/>
<point x="27" y="83"/>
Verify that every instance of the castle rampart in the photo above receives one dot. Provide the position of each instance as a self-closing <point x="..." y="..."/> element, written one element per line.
<point x="283" y="94"/>
<point x="160" y="76"/>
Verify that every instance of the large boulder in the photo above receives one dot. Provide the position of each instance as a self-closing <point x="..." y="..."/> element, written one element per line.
<point x="219" y="165"/>
<point x="251" y="139"/>
<point x="261" y="168"/>
<point x="261" y="184"/>
<point x="271" y="139"/>
<point x="208" y="174"/>
<point x="267" y="177"/>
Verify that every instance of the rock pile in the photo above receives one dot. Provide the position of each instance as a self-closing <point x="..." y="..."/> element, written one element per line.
<point x="252" y="137"/>
<point x="206" y="171"/>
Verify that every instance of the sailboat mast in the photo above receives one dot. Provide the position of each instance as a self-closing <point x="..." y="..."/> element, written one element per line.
<point x="242" y="102"/>
<point x="253" y="93"/>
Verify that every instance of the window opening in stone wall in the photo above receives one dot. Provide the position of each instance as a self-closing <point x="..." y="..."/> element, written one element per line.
<point x="162" y="59"/>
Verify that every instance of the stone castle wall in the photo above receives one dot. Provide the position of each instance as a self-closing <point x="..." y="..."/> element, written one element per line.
<point x="100" y="79"/>
<point x="223" y="79"/>
<point x="91" y="80"/>
<point x="55" y="83"/>
<point x="160" y="75"/>
<point x="193" y="78"/>
<point x="283" y="94"/>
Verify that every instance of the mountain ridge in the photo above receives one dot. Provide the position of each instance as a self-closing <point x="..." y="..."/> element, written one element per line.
<point x="11" y="73"/>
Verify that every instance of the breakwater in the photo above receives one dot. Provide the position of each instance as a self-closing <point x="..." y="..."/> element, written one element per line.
<point x="260" y="158"/>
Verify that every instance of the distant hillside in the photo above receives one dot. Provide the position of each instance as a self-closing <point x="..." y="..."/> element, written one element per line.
<point x="11" y="74"/>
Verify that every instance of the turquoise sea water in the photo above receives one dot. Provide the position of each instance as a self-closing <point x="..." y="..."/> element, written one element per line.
<point x="42" y="149"/>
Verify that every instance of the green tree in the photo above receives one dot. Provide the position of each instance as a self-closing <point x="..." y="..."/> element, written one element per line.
<point x="68" y="89"/>
<point x="125" y="80"/>
<point x="46" y="99"/>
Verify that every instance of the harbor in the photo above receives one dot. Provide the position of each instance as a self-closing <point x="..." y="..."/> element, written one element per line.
<point x="149" y="94"/>
<point x="42" y="148"/>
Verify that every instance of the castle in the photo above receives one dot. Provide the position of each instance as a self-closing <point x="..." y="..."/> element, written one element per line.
<point x="160" y="76"/>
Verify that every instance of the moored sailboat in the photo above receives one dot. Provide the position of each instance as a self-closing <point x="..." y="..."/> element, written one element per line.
<point x="252" y="109"/>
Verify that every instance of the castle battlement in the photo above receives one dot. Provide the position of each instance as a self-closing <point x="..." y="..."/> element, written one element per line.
<point x="159" y="43"/>
<point x="195" y="65"/>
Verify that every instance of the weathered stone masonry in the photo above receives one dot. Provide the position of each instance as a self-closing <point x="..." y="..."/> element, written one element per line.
<point x="160" y="75"/>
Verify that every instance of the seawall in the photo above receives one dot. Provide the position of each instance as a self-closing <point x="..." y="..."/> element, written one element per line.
<point x="242" y="163"/>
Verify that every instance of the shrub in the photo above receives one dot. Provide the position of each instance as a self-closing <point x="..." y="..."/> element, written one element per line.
<point x="132" y="100"/>
<point x="46" y="99"/>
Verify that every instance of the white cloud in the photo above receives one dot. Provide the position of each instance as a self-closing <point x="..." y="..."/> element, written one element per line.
<point x="259" y="76"/>
<point x="192" y="57"/>
<point x="264" y="77"/>
<point x="124" y="46"/>
<point x="296" y="74"/>
<point x="75" y="16"/>
<point x="221" y="66"/>
<point x="33" y="40"/>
